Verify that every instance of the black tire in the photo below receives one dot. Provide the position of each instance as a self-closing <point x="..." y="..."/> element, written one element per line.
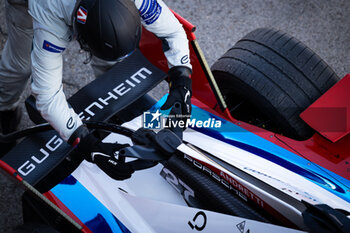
<point x="268" y="78"/>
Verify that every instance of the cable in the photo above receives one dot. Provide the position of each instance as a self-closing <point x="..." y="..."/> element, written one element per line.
<point x="46" y="127"/>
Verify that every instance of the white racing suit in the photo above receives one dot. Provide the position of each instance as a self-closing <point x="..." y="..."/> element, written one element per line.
<point x="52" y="24"/>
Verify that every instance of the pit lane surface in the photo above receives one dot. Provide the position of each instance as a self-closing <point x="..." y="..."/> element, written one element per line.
<point x="323" y="25"/>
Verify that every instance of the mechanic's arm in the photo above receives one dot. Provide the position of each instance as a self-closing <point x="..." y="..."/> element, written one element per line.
<point x="47" y="66"/>
<point x="158" y="19"/>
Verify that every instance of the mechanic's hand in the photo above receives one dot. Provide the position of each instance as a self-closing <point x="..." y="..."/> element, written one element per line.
<point x="180" y="89"/>
<point x="102" y="154"/>
<point x="112" y="167"/>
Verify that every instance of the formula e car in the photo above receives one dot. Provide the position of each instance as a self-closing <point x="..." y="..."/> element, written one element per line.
<point x="266" y="149"/>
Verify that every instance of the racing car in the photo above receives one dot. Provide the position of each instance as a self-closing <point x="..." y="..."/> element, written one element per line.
<point x="266" y="149"/>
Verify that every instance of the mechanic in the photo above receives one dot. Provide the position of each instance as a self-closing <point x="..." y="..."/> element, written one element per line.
<point x="108" y="29"/>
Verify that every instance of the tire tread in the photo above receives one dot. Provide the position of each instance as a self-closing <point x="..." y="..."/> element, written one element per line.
<point x="269" y="59"/>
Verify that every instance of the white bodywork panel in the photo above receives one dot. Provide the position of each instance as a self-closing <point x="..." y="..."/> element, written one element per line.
<point x="159" y="199"/>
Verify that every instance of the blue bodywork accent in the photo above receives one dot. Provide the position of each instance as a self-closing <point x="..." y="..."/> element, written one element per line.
<point x="248" y="141"/>
<point x="87" y="208"/>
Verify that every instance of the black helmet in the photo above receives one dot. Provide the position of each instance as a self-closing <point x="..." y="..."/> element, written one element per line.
<point x="109" y="29"/>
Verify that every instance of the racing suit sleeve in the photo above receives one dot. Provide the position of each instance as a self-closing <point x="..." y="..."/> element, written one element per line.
<point x="157" y="18"/>
<point x="47" y="63"/>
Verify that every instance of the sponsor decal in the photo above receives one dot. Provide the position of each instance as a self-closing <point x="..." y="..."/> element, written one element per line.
<point x="70" y="123"/>
<point x="55" y="142"/>
<point x="241" y="226"/>
<point x="150" y="11"/>
<point x="181" y="187"/>
<point x="200" y="225"/>
<point x="28" y="166"/>
<point x="52" y="48"/>
<point x="185" y="59"/>
<point x="287" y="188"/>
<point x="114" y="94"/>
<point x="227" y="181"/>
<point x="82" y="15"/>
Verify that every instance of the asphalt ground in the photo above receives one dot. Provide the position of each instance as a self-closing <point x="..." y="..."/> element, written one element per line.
<point x="323" y="25"/>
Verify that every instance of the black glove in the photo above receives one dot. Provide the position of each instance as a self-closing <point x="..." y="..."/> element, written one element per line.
<point x="180" y="89"/>
<point x="102" y="154"/>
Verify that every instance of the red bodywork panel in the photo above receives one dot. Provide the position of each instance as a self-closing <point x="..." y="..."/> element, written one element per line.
<point x="330" y="117"/>
<point x="330" y="114"/>
<point x="332" y="156"/>
<point x="12" y="172"/>
<point x="49" y="195"/>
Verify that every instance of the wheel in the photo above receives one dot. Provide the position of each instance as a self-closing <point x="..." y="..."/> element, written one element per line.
<point x="268" y="78"/>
